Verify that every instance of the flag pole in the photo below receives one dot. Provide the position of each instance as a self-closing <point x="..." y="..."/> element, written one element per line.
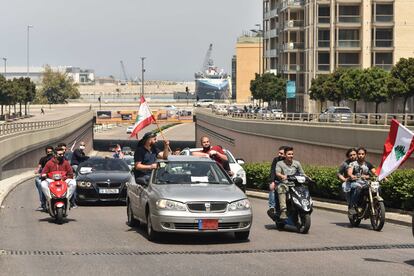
<point x="162" y="134"/>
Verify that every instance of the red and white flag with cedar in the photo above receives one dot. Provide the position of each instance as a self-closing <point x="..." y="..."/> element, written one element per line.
<point x="397" y="149"/>
<point x="144" y="117"/>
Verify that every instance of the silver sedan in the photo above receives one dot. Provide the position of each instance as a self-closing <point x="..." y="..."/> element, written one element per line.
<point x="189" y="194"/>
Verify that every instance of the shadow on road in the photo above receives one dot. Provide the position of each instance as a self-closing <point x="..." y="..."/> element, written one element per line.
<point x="347" y="225"/>
<point x="410" y="262"/>
<point x="53" y="220"/>
<point x="190" y="238"/>
<point x="101" y="203"/>
<point x="378" y="260"/>
<point x="287" y="228"/>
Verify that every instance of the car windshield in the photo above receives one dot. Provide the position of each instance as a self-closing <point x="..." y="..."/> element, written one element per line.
<point x="189" y="173"/>
<point x="107" y="164"/>
<point x="342" y="110"/>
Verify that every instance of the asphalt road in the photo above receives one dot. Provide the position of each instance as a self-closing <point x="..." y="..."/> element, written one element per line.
<point x="96" y="241"/>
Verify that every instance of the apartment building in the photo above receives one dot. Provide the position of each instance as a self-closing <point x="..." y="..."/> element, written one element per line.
<point x="305" y="38"/>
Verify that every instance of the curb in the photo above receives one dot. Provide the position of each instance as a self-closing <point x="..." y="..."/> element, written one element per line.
<point x="7" y="185"/>
<point x="391" y="217"/>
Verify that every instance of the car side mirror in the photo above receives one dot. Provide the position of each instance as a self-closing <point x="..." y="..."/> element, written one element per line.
<point x="238" y="181"/>
<point x="240" y="161"/>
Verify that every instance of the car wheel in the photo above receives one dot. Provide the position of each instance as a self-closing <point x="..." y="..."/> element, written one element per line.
<point x="242" y="236"/>
<point x="130" y="215"/>
<point x="151" y="234"/>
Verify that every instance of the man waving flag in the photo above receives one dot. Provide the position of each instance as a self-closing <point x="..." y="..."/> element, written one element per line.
<point x="144" y="117"/>
<point x="397" y="149"/>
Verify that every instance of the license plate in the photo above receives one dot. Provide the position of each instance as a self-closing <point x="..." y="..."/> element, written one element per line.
<point x="109" y="191"/>
<point x="207" y="224"/>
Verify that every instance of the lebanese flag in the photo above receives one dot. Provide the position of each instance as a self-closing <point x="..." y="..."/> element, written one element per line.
<point x="397" y="149"/>
<point x="144" y="117"/>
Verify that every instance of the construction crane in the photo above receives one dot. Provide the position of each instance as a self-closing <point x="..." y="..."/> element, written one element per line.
<point x="208" y="60"/>
<point x="124" y="73"/>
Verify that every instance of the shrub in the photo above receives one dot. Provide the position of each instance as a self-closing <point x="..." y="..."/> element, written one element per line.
<point x="398" y="191"/>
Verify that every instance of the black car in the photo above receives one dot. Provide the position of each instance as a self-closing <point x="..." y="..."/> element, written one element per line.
<point x="102" y="179"/>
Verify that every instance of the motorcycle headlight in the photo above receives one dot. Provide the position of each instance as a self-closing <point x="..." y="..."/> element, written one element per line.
<point x="171" y="205"/>
<point x="239" y="205"/>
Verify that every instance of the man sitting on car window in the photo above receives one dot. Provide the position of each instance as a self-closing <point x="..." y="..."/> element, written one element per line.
<point x="216" y="152"/>
<point x="146" y="155"/>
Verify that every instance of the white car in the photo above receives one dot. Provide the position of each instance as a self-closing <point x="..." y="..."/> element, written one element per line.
<point x="235" y="164"/>
<point x="130" y="129"/>
<point x="204" y="103"/>
<point x="277" y="113"/>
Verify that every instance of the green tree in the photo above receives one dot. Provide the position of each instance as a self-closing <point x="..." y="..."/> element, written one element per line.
<point x="349" y="85"/>
<point x="268" y="87"/>
<point x="57" y="87"/>
<point x="317" y="91"/>
<point x="403" y="83"/>
<point x="374" y="86"/>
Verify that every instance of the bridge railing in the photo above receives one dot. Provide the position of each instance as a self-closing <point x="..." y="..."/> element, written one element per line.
<point x="20" y="127"/>
<point x="374" y="119"/>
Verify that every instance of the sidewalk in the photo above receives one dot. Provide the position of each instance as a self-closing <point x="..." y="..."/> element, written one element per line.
<point x="342" y="208"/>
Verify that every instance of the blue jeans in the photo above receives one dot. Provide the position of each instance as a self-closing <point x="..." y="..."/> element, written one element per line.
<point x="42" y="198"/>
<point x="272" y="200"/>
<point x="356" y="187"/>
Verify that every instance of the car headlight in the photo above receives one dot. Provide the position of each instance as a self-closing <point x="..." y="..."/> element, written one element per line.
<point x="84" y="184"/>
<point x="241" y="173"/>
<point x="239" y="205"/>
<point x="171" y="205"/>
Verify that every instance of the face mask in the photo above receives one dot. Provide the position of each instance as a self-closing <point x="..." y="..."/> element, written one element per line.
<point x="49" y="154"/>
<point x="82" y="147"/>
<point x="59" y="158"/>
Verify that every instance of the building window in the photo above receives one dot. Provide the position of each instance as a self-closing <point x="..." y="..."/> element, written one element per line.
<point x="349" y="14"/>
<point x="323" y="61"/>
<point x="383" y="38"/>
<point x="324" y="14"/>
<point x="324" y="38"/>
<point x="348" y="38"/>
<point x="384" y="13"/>
<point x="348" y="60"/>
<point x="383" y="60"/>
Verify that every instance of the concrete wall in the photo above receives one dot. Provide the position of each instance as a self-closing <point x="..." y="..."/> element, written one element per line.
<point x="258" y="141"/>
<point x="25" y="149"/>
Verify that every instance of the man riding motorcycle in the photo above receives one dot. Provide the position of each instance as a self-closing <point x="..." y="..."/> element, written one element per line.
<point x="285" y="168"/>
<point x="58" y="163"/>
<point x="359" y="172"/>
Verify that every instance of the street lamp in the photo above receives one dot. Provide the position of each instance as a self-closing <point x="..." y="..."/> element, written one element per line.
<point x="28" y="31"/>
<point x="259" y="33"/>
<point x="142" y="76"/>
<point x="5" y="67"/>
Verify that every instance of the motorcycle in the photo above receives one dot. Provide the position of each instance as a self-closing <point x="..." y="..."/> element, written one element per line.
<point x="370" y="205"/>
<point x="57" y="196"/>
<point x="299" y="204"/>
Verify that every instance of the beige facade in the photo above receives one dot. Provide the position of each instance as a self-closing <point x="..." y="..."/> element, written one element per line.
<point x="305" y="38"/>
<point x="248" y="63"/>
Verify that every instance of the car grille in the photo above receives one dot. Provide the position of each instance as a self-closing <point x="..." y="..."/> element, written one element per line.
<point x="200" y="207"/>
<point x="106" y="185"/>
<point x="194" y="226"/>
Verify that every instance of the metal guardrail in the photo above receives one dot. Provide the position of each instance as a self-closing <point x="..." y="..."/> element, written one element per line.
<point x="20" y="127"/>
<point x="373" y="119"/>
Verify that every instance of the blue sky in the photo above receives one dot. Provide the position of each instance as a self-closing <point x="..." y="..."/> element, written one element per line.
<point x="173" y="34"/>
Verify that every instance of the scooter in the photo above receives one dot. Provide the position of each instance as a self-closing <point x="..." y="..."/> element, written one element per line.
<point x="57" y="196"/>
<point x="370" y="205"/>
<point x="299" y="204"/>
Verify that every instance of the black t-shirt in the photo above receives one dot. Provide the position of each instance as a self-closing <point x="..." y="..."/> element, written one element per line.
<point x="273" y="176"/>
<point x="146" y="158"/>
<point x="343" y="169"/>
<point x="43" y="161"/>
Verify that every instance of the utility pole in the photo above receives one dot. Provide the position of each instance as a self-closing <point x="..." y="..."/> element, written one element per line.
<point x="5" y="66"/>
<point x="28" y="30"/>
<point x="142" y="76"/>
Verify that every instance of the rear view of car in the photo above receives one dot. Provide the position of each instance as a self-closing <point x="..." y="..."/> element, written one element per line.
<point x="337" y="114"/>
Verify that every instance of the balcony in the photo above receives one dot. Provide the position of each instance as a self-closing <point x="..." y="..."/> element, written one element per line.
<point x="292" y="46"/>
<point x="292" y="68"/>
<point x="293" y="24"/>
<point x="348" y="43"/>
<point x="324" y="19"/>
<point x="379" y="18"/>
<point x="382" y="43"/>
<point x="324" y="43"/>
<point x="271" y="53"/>
<point x="346" y="65"/>
<point x="349" y="19"/>
<point x="271" y="14"/>
<point x="270" y="34"/>
<point x="324" y="67"/>
<point x="386" y="67"/>
<point x="291" y="4"/>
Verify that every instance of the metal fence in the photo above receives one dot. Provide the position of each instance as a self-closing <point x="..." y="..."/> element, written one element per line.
<point x="20" y="127"/>
<point x="373" y="119"/>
